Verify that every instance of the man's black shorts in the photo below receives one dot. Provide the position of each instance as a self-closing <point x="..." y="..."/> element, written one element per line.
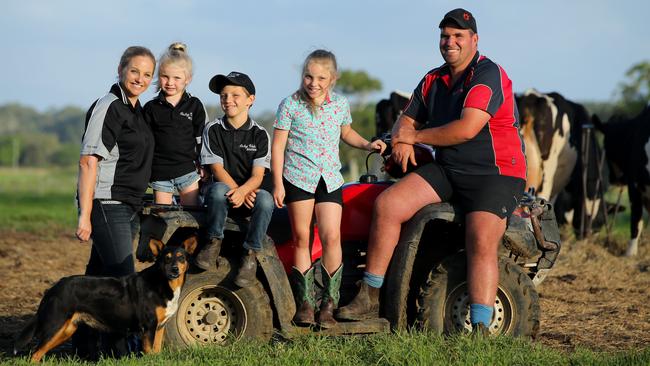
<point x="498" y="194"/>
<point x="293" y="193"/>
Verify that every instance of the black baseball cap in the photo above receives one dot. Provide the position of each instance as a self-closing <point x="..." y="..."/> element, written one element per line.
<point x="234" y="78"/>
<point x="460" y="17"/>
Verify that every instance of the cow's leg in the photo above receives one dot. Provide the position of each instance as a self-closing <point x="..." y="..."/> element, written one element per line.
<point x="636" y="219"/>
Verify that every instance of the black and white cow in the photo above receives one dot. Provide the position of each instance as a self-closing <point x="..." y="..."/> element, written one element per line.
<point x="552" y="129"/>
<point x="627" y="146"/>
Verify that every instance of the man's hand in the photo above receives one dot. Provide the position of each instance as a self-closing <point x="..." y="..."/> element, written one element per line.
<point x="403" y="154"/>
<point x="236" y="197"/>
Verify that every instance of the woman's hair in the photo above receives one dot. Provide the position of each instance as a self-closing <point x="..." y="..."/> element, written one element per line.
<point x="131" y="52"/>
<point x="176" y="54"/>
<point x="327" y="59"/>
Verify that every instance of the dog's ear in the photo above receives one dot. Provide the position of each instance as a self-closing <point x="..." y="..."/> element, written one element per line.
<point x="190" y="244"/>
<point x="155" y="246"/>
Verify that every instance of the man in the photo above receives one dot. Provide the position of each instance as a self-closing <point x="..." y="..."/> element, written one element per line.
<point x="465" y="109"/>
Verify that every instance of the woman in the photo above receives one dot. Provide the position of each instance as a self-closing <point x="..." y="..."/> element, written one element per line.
<point x="114" y="168"/>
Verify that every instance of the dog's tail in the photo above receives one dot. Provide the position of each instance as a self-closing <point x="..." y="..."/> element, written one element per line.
<point x="25" y="336"/>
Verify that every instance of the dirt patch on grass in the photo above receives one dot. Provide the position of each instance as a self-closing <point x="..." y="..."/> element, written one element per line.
<point x="593" y="298"/>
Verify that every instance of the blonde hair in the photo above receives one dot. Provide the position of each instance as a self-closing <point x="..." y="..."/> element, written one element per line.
<point x="325" y="58"/>
<point x="176" y="54"/>
<point x="130" y="53"/>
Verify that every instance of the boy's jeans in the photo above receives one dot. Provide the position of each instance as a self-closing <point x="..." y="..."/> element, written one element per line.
<point x="218" y="207"/>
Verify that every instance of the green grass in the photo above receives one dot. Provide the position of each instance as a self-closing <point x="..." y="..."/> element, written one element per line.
<point x="38" y="200"/>
<point x="382" y="349"/>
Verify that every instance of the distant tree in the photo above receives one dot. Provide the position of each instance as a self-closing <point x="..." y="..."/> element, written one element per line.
<point x="36" y="149"/>
<point x="635" y="91"/>
<point x="358" y="84"/>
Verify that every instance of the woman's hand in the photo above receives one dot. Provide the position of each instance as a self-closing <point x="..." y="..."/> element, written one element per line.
<point x="84" y="228"/>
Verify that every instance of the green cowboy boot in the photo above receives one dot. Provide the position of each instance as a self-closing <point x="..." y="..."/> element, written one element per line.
<point x="331" y="296"/>
<point x="303" y="293"/>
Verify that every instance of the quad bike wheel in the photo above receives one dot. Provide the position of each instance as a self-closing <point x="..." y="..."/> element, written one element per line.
<point x="443" y="303"/>
<point x="213" y="310"/>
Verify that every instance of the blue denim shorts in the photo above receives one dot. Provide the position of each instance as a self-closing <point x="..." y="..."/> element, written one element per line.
<point x="178" y="184"/>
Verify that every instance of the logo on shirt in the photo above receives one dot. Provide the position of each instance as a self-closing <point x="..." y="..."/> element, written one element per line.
<point x="187" y="115"/>
<point x="249" y="147"/>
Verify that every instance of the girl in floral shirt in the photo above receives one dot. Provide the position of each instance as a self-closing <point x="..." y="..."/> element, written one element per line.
<point x="306" y="173"/>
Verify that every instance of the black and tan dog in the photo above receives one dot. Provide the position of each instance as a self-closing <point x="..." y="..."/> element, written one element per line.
<point x="141" y="302"/>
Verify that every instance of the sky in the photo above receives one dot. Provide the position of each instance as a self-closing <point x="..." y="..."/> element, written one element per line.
<point x="65" y="52"/>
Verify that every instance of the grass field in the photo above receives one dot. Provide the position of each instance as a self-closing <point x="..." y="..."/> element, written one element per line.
<point x="384" y="349"/>
<point x="38" y="200"/>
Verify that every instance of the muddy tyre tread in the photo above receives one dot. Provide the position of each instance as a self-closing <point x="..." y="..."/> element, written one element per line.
<point x="433" y="301"/>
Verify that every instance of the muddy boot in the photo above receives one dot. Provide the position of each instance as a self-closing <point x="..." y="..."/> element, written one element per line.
<point x="364" y="306"/>
<point x="331" y="296"/>
<point x="247" y="270"/>
<point x="303" y="292"/>
<point x="207" y="257"/>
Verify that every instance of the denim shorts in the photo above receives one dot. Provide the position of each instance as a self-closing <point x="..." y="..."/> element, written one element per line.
<point x="179" y="184"/>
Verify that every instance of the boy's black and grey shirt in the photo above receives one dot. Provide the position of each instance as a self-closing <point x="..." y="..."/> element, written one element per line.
<point x="177" y="131"/>
<point x="118" y="133"/>
<point x="237" y="149"/>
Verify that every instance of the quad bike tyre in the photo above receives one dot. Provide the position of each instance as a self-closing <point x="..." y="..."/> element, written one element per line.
<point x="443" y="303"/>
<point x="213" y="310"/>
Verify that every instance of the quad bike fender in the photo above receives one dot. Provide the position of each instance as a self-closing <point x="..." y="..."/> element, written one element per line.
<point x="399" y="273"/>
<point x="278" y="283"/>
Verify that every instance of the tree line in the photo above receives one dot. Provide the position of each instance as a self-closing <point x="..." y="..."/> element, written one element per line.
<point x="52" y="138"/>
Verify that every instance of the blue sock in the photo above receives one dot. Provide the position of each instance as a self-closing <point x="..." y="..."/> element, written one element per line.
<point x="479" y="313"/>
<point x="373" y="280"/>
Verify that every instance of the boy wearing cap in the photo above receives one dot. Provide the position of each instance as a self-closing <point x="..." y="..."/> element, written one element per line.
<point x="237" y="151"/>
<point x="466" y="110"/>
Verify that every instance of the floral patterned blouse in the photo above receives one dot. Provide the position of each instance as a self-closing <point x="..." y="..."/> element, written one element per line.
<point x="312" y="148"/>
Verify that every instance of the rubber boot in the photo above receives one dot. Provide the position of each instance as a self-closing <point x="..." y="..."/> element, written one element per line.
<point x="247" y="270"/>
<point x="303" y="293"/>
<point x="330" y="299"/>
<point x="364" y="306"/>
<point x="207" y="257"/>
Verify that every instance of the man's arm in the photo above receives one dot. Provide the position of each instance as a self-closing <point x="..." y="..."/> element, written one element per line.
<point x="455" y="132"/>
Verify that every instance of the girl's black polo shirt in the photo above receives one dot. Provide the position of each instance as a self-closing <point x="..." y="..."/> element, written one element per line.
<point x="177" y="131"/>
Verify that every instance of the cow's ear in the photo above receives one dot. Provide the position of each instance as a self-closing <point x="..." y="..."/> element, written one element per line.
<point x="155" y="246"/>
<point x="190" y="244"/>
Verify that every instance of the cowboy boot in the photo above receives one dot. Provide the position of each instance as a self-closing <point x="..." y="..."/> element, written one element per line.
<point x="303" y="293"/>
<point x="207" y="257"/>
<point x="364" y="306"/>
<point x="247" y="270"/>
<point x="330" y="299"/>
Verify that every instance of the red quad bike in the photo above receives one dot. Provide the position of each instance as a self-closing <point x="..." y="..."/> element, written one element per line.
<point x="425" y="285"/>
